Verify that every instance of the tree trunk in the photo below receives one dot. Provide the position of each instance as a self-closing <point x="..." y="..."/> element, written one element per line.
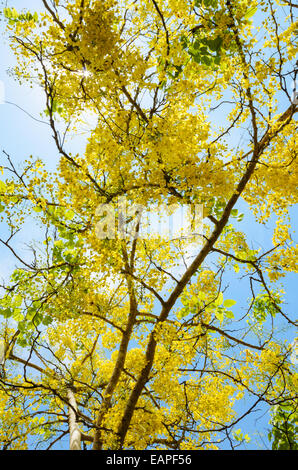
<point x="74" y="432"/>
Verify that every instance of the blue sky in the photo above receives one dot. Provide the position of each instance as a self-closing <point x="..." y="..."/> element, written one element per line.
<point x="22" y="136"/>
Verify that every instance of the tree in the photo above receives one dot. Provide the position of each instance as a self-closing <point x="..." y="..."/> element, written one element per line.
<point x="284" y="427"/>
<point x="124" y="341"/>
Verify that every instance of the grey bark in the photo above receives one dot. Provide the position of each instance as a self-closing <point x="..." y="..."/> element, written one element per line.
<point x="74" y="431"/>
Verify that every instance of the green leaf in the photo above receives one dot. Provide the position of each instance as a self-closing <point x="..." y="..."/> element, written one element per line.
<point x="182" y="313"/>
<point x="30" y="313"/>
<point x="7" y="13"/>
<point x="69" y="215"/>
<point x="18" y="300"/>
<point x="250" y="13"/>
<point x="229" y="303"/>
<point x="219" y="299"/>
<point x="2" y="186"/>
<point x="14" y="13"/>
<point x="17" y="315"/>
<point x="69" y="255"/>
<point x="22" y="341"/>
<point x="230" y="314"/>
<point x="238" y="435"/>
<point x="219" y="314"/>
<point x="201" y="295"/>
<point x="47" y="320"/>
<point x="6" y="312"/>
<point x="37" y="319"/>
<point x="197" y="59"/>
<point x="214" y="44"/>
<point x="14" y="17"/>
<point x="206" y="60"/>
